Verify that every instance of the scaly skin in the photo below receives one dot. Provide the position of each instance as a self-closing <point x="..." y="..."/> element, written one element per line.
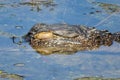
<point x="63" y="38"/>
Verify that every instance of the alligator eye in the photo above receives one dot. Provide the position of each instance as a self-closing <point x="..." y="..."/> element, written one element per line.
<point x="43" y="35"/>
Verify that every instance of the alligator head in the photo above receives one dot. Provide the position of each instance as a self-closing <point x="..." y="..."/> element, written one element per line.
<point x="63" y="38"/>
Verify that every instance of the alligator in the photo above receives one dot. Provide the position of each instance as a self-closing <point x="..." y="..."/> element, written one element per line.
<point x="64" y="38"/>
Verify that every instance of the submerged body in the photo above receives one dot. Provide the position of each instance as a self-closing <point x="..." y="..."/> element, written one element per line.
<point x="64" y="38"/>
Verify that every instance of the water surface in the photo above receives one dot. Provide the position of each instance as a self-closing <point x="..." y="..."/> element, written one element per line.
<point x="17" y="19"/>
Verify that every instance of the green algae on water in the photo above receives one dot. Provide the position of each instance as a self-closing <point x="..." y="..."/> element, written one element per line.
<point x="96" y="78"/>
<point x="9" y="76"/>
<point x="109" y="8"/>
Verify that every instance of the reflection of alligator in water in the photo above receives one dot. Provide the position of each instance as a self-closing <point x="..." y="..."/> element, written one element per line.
<point x="96" y="78"/>
<point x="63" y="38"/>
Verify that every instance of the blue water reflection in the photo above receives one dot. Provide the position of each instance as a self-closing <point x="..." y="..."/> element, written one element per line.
<point x="102" y="62"/>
